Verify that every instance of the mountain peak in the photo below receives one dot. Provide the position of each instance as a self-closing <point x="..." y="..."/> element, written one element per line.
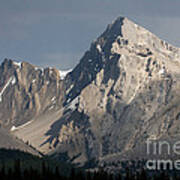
<point x="123" y="91"/>
<point x="127" y="29"/>
<point x="121" y="20"/>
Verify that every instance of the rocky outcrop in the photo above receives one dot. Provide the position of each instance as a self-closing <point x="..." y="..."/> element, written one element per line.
<point x="124" y="91"/>
<point x="127" y="86"/>
<point x="27" y="91"/>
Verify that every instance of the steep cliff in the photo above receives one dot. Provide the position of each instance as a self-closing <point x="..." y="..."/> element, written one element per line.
<point x="124" y="91"/>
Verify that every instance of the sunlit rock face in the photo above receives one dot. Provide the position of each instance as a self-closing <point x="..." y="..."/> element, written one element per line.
<point x="124" y="91"/>
<point x="127" y="85"/>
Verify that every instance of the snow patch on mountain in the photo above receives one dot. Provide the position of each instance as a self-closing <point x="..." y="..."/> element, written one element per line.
<point x="74" y="103"/>
<point x="13" y="128"/>
<point x="19" y="64"/>
<point x="63" y="73"/>
<point x="34" y="80"/>
<point x="70" y="88"/>
<point x="11" y="80"/>
<point x="99" y="48"/>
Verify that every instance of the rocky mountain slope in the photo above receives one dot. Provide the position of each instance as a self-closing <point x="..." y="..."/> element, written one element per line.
<point x="8" y="141"/>
<point x="124" y="91"/>
<point x="127" y="86"/>
<point x="27" y="91"/>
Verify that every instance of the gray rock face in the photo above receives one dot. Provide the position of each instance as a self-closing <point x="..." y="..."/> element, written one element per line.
<point x="127" y="85"/>
<point x="124" y="91"/>
<point x="27" y="91"/>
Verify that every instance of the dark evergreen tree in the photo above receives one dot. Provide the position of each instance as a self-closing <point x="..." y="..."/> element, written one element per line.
<point x="2" y="172"/>
<point x="73" y="174"/>
<point x="143" y="175"/>
<point x="17" y="170"/>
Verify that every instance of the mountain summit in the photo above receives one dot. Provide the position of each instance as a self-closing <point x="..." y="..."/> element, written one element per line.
<point x="124" y="91"/>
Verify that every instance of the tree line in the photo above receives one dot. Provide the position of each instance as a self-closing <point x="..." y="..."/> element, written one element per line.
<point x="18" y="172"/>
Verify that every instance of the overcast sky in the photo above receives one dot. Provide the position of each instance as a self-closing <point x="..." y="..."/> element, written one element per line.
<point x="58" y="32"/>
